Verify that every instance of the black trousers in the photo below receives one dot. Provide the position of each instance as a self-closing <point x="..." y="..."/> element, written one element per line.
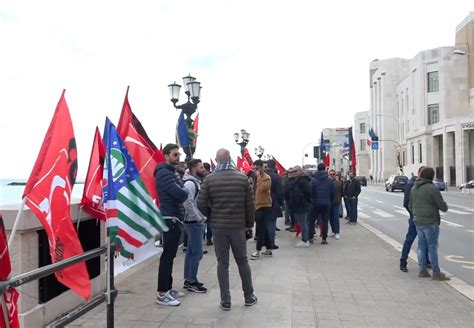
<point x="262" y="219"/>
<point x="170" y="247"/>
<point x="321" y="212"/>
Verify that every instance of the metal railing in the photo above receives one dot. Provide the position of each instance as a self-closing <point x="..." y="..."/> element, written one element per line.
<point x="108" y="296"/>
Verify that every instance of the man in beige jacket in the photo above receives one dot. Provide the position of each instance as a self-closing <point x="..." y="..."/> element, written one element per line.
<point x="263" y="210"/>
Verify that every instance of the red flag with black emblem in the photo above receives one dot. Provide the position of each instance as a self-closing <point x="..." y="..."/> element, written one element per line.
<point x="278" y="166"/>
<point x="8" y="304"/>
<point x="143" y="151"/>
<point x="247" y="157"/>
<point x="48" y="195"/>
<point x="92" y="195"/>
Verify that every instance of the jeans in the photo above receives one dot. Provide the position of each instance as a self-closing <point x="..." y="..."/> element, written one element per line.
<point x="302" y="219"/>
<point x="234" y="239"/>
<point x="352" y="208"/>
<point x="428" y="240"/>
<point x="321" y="213"/>
<point x="208" y="232"/>
<point x="194" y="250"/>
<point x="262" y="220"/>
<point x="334" y="217"/>
<point x="170" y="247"/>
<point x="409" y="239"/>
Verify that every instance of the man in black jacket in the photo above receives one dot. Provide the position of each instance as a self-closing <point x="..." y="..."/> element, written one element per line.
<point x="277" y="201"/>
<point x="172" y="195"/>
<point x="352" y="191"/>
<point x="298" y="197"/>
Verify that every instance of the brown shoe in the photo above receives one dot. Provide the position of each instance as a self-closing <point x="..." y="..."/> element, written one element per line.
<point x="424" y="274"/>
<point x="440" y="276"/>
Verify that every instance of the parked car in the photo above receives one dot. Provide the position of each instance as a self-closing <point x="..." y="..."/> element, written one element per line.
<point x="362" y="180"/>
<point x="467" y="185"/>
<point x="440" y="184"/>
<point x="395" y="182"/>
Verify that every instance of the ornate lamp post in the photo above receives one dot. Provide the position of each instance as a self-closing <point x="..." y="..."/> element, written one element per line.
<point x="245" y="140"/>
<point x="192" y="90"/>
<point x="259" y="152"/>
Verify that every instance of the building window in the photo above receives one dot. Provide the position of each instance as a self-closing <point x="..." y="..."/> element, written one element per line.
<point x="433" y="82"/>
<point x="413" y="154"/>
<point x="433" y="114"/>
<point x="362" y="144"/>
<point x="362" y="127"/>
<point x="420" y="151"/>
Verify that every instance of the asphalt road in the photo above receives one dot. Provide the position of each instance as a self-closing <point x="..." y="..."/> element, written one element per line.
<point x="384" y="211"/>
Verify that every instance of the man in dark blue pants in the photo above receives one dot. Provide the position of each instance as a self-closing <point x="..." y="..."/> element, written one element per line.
<point x="411" y="233"/>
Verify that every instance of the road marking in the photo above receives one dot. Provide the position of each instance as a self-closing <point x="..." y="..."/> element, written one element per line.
<point x="453" y="224"/>
<point x="457" y="212"/>
<point x="383" y="214"/>
<point x="458" y="259"/>
<point x="402" y="208"/>
<point x="404" y="212"/>
<point x="379" y="201"/>
<point x="462" y="207"/>
<point x="470" y="231"/>
<point x="363" y="215"/>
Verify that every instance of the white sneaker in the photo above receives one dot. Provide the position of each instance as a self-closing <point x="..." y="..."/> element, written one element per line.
<point x="338" y="236"/>
<point x="167" y="300"/>
<point x="302" y="244"/>
<point x="255" y="256"/>
<point x="176" y="293"/>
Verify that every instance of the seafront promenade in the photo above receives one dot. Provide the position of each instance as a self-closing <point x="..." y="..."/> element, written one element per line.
<point x="352" y="282"/>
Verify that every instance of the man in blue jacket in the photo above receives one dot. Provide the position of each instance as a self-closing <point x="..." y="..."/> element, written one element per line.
<point x="172" y="195"/>
<point x="411" y="233"/>
<point x="322" y="192"/>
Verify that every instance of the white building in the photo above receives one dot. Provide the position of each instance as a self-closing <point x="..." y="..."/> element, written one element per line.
<point x="423" y="113"/>
<point x="360" y="132"/>
<point x="337" y="140"/>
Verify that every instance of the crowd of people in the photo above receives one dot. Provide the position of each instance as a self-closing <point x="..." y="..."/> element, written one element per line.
<point x="226" y="206"/>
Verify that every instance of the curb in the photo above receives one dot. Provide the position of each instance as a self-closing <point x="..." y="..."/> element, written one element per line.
<point x="459" y="285"/>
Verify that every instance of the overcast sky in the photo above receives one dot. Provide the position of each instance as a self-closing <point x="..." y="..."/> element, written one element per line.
<point x="282" y="70"/>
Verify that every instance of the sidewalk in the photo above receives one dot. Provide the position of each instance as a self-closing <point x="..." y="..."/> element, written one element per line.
<point x="352" y="282"/>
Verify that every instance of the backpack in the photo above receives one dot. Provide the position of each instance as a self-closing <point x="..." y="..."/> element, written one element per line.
<point x="196" y="186"/>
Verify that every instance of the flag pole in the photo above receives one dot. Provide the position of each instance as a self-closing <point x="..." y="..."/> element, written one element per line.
<point x="79" y="217"/>
<point x="17" y="220"/>
<point x="5" y="312"/>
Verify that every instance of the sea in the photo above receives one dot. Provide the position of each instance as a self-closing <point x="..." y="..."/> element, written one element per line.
<point x="12" y="194"/>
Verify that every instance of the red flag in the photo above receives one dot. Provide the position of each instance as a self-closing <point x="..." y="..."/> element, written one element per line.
<point x="10" y="297"/>
<point x="369" y="142"/>
<point x="195" y="129"/>
<point x="240" y="163"/>
<point x="327" y="160"/>
<point x="247" y="157"/>
<point x="144" y="153"/>
<point x="92" y="195"/>
<point x="213" y="165"/>
<point x="48" y="193"/>
<point x="279" y="167"/>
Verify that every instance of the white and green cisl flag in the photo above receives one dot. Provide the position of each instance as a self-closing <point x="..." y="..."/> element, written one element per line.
<point x="132" y="216"/>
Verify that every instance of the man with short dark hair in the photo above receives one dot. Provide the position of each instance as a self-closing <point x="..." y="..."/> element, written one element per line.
<point x="228" y="193"/>
<point x="172" y="195"/>
<point x="351" y="192"/>
<point x="425" y="203"/>
<point x="411" y="233"/>
<point x="263" y="210"/>
<point x="277" y="201"/>
<point x="194" y="222"/>
<point x="322" y="192"/>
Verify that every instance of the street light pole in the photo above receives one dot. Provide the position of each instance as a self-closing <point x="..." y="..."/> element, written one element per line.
<point x="259" y="152"/>
<point x="245" y="140"/>
<point x="192" y="90"/>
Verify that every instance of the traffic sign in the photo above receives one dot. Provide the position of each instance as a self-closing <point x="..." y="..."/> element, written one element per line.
<point x="375" y="145"/>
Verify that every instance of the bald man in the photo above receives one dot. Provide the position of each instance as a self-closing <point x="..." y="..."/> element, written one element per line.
<point x="226" y="199"/>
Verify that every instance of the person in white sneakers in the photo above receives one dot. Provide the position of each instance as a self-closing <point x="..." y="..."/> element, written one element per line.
<point x="335" y="203"/>
<point x="298" y="196"/>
